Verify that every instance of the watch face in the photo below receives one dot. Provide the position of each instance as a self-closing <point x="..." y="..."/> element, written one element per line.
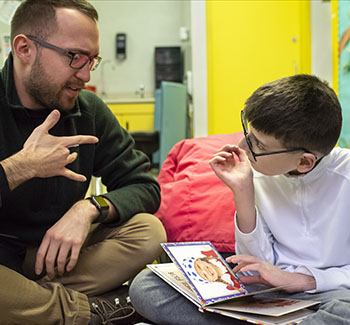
<point x="102" y="202"/>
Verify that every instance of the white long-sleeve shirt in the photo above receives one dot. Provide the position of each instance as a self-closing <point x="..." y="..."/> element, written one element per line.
<point x="303" y="222"/>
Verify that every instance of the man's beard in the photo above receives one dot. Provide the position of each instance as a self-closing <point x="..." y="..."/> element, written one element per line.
<point x="46" y="93"/>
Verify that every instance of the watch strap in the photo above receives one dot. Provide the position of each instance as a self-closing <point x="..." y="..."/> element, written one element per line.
<point x="101" y="205"/>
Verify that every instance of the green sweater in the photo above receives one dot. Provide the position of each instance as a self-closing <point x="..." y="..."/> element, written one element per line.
<point x="34" y="206"/>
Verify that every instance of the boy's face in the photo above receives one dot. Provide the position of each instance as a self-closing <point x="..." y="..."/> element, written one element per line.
<point x="270" y="165"/>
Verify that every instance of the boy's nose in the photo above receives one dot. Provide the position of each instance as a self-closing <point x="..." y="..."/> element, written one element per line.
<point x="243" y="144"/>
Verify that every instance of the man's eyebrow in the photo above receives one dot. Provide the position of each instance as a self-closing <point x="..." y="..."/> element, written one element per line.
<point x="80" y="51"/>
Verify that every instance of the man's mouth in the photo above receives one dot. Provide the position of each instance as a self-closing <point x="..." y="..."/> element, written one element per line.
<point x="74" y="90"/>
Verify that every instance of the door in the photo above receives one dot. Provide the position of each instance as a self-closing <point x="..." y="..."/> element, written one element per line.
<point x="250" y="43"/>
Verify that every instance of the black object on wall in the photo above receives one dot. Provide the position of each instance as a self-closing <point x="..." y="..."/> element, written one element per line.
<point x="168" y="64"/>
<point x="120" y="41"/>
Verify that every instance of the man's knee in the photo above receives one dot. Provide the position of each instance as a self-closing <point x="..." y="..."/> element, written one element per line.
<point x="150" y="228"/>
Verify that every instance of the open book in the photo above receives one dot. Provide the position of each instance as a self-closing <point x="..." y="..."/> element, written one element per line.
<point x="201" y="275"/>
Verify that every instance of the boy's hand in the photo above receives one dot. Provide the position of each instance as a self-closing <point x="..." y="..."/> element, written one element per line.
<point x="270" y="274"/>
<point x="232" y="166"/>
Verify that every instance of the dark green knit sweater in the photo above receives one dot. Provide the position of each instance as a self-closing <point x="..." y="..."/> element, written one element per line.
<point x="34" y="206"/>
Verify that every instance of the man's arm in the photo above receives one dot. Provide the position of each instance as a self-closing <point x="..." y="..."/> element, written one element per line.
<point x="131" y="188"/>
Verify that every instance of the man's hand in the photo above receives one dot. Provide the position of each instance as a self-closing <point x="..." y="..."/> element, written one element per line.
<point x="271" y="275"/>
<point x="65" y="239"/>
<point x="44" y="155"/>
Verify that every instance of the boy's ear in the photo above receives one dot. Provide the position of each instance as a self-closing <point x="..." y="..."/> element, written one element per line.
<point x="306" y="162"/>
<point x="23" y="48"/>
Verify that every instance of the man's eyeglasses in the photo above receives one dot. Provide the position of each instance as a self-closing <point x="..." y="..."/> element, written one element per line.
<point x="78" y="60"/>
<point x="250" y="146"/>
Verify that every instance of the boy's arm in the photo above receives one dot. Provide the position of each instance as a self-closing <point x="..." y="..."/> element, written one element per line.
<point x="232" y="166"/>
<point x="327" y="279"/>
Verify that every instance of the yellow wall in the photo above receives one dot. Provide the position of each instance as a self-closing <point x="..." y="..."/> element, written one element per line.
<point x="250" y="43"/>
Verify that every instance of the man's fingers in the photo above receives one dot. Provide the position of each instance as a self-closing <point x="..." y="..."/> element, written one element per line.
<point x="40" y="256"/>
<point x="76" y="140"/>
<point x="62" y="258"/>
<point x="51" y="258"/>
<point x="71" y="157"/>
<point x="73" y="176"/>
<point x="51" y="120"/>
<point x="73" y="258"/>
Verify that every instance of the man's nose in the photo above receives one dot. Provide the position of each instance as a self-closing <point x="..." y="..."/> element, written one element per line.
<point x="84" y="73"/>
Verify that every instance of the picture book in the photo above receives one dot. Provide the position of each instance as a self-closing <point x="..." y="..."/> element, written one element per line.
<point x="201" y="274"/>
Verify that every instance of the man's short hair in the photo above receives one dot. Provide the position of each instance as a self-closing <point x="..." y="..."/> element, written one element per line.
<point x="38" y="17"/>
<point x="300" y="111"/>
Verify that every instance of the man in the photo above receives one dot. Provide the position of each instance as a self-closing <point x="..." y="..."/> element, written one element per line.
<point x="53" y="137"/>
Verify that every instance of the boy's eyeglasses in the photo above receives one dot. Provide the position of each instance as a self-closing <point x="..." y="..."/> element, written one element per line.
<point x="78" y="60"/>
<point x="250" y="146"/>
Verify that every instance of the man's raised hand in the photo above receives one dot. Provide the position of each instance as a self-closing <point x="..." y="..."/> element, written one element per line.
<point x="44" y="155"/>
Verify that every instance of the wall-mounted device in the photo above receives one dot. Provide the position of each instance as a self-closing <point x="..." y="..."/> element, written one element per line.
<point x="168" y="64"/>
<point x="121" y="46"/>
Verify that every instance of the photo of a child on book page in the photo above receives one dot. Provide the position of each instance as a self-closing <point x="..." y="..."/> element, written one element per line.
<point x="206" y="271"/>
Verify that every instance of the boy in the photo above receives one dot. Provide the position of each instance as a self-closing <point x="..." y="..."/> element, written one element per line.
<point x="291" y="211"/>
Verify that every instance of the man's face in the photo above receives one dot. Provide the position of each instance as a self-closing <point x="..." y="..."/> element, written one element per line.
<point x="270" y="165"/>
<point x="51" y="82"/>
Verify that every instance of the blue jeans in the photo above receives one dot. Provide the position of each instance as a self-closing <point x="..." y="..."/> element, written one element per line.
<point x="160" y="303"/>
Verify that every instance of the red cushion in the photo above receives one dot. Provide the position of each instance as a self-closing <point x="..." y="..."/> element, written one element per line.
<point x="196" y="204"/>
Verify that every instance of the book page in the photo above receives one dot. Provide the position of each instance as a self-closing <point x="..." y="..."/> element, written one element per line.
<point x="266" y="306"/>
<point x="288" y="319"/>
<point x="171" y="274"/>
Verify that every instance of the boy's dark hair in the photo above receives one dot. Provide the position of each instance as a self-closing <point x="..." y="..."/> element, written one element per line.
<point x="301" y="111"/>
<point x="38" y="17"/>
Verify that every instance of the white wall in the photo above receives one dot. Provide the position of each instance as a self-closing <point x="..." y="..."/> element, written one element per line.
<point x="321" y="35"/>
<point x="147" y="24"/>
<point x="4" y="30"/>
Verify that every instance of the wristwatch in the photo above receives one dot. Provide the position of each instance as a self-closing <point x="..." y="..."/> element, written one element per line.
<point x="101" y="205"/>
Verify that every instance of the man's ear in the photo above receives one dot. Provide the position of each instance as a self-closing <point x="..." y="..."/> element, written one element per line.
<point x="23" y="48"/>
<point x="306" y="162"/>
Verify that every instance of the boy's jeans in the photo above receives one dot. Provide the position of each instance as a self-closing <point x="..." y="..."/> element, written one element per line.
<point x="154" y="299"/>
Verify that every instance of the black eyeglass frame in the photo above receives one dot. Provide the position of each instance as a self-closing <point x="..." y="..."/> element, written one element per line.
<point x="96" y="60"/>
<point x="250" y="145"/>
